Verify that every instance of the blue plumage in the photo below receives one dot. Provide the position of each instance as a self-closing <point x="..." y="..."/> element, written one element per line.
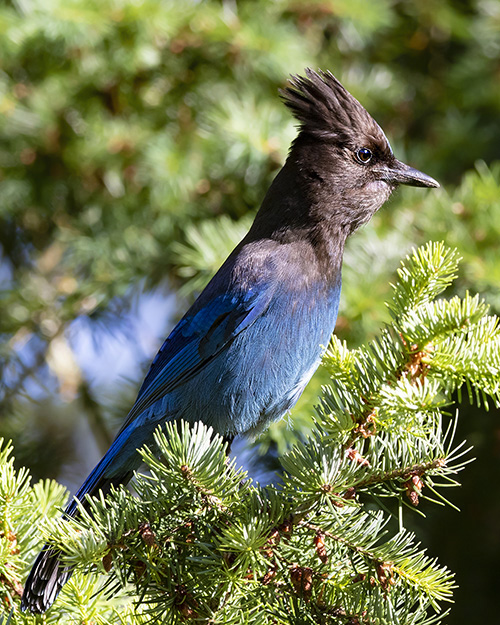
<point x="239" y="358"/>
<point x="243" y="353"/>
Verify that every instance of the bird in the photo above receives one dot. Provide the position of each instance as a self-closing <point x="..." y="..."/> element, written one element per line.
<point x="243" y="353"/>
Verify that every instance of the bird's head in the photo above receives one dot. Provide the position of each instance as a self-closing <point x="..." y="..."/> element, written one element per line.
<point x="343" y="151"/>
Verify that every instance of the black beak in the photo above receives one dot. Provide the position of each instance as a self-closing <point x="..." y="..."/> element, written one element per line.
<point x="400" y="173"/>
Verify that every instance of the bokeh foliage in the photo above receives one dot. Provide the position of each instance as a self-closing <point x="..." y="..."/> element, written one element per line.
<point x="137" y="139"/>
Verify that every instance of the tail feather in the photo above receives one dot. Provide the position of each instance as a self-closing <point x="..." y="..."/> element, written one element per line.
<point x="49" y="574"/>
<point x="45" y="581"/>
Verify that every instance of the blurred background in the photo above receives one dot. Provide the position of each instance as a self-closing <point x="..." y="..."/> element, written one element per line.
<point x="137" y="139"/>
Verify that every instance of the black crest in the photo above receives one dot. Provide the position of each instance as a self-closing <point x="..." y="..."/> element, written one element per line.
<point x="324" y="107"/>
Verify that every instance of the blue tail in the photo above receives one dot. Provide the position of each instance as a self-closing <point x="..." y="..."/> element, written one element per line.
<point x="49" y="574"/>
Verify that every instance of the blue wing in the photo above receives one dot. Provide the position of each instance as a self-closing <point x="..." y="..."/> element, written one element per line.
<point x="196" y="340"/>
<point x="200" y="335"/>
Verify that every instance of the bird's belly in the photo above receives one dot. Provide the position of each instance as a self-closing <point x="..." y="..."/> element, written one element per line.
<point x="261" y="373"/>
<point x="255" y="381"/>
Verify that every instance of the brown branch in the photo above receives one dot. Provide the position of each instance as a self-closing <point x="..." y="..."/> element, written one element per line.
<point x="404" y="472"/>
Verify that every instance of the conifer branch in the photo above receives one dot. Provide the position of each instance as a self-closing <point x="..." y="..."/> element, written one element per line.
<point x="200" y="542"/>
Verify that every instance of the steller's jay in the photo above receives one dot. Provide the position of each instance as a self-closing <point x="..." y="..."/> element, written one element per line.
<point x="245" y="350"/>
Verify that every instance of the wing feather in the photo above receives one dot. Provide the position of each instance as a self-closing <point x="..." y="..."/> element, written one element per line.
<point x="195" y="341"/>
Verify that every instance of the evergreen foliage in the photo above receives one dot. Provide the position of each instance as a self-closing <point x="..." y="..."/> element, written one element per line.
<point x="200" y="542"/>
<point x="137" y="137"/>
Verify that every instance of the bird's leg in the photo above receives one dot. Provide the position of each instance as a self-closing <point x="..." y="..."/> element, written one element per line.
<point x="228" y="439"/>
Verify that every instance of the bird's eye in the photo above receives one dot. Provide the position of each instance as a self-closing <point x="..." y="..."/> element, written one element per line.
<point x="364" y="155"/>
